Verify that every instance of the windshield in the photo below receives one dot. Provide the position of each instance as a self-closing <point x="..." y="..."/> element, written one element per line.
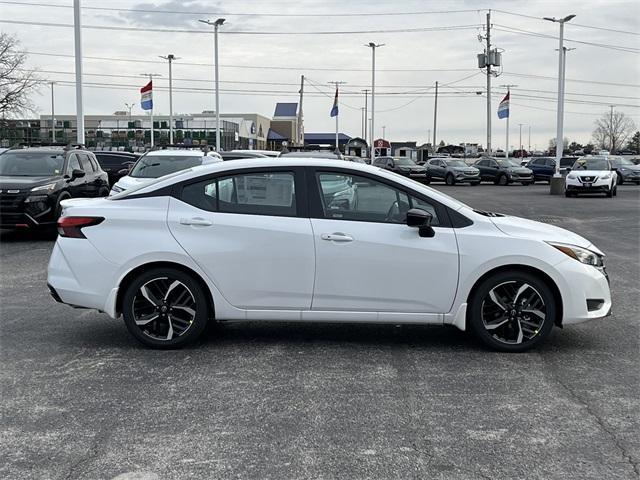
<point x="31" y="164"/>
<point x="508" y="163"/>
<point x="404" y="161"/>
<point x="154" y="166"/>
<point x="591" y="164"/>
<point x="617" y="161"/>
<point x="455" y="163"/>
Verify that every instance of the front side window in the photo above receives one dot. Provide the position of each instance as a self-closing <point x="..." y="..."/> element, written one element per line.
<point x="264" y="193"/>
<point x="31" y="164"/>
<point x="86" y="164"/>
<point x="74" y="164"/>
<point x="351" y="197"/>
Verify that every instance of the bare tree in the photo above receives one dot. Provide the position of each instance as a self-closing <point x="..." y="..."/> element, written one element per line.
<point x="17" y="83"/>
<point x="612" y="130"/>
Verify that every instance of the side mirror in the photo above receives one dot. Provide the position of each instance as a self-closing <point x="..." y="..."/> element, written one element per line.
<point x="416" y="217"/>
<point x="568" y="169"/>
<point x="76" y="173"/>
<point x="124" y="171"/>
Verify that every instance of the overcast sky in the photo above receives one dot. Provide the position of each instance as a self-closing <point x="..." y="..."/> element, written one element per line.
<point x="446" y="56"/>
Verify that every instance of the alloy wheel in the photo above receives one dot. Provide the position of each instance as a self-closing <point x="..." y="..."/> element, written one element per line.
<point x="513" y="312"/>
<point x="164" y="308"/>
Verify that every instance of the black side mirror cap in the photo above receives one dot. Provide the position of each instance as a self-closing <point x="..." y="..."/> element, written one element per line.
<point x="77" y="173"/>
<point x="416" y="217"/>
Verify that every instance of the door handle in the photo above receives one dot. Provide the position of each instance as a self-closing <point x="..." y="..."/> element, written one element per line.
<point x="336" y="237"/>
<point x="195" y="221"/>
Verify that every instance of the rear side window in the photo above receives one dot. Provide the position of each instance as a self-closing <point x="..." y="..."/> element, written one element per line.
<point x="112" y="161"/>
<point x="261" y="193"/>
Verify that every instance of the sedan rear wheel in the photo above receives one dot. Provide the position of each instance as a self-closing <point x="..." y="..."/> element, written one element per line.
<point x="512" y="311"/>
<point x="165" y="308"/>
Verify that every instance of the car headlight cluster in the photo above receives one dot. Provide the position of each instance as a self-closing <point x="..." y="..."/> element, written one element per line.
<point x="571" y="176"/>
<point x="606" y="176"/>
<point x="48" y="188"/>
<point x="580" y="254"/>
<point x="116" y="189"/>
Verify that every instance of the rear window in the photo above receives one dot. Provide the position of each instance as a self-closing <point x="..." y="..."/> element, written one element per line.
<point x="154" y="166"/>
<point x="111" y="161"/>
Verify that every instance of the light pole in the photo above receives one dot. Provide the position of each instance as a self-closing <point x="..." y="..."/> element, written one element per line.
<point x="53" y="116"/>
<point x="170" y="58"/>
<point x="129" y="107"/>
<point x="77" y="24"/>
<point x="216" y="25"/>
<point x="529" y="139"/>
<point x="435" y="115"/>
<point x="556" y="181"/>
<point x="366" y="113"/>
<point x="373" y="47"/>
<point x="520" y="125"/>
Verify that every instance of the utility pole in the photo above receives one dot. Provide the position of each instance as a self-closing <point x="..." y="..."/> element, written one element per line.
<point x="216" y="25"/>
<point x="384" y="132"/>
<point x="488" y="53"/>
<point x="366" y="113"/>
<point x="53" y="116"/>
<point x="300" y="115"/>
<point x="337" y="113"/>
<point x="151" y="75"/>
<point x="435" y="117"/>
<point x="373" y="47"/>
<point x="77" y="30"/>
<point x="170" y="58"/>
<point x="529" y="139"/>
<point x="129" y="107"/>
<point x="362" y="121"/>
<point x="520" y="125"/>
<point x="508" y="87"/>
<point x="610" y="129"/>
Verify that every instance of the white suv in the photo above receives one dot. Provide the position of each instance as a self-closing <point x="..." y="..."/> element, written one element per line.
<point x="158" y="163"/>
<point x="591" y="174"/>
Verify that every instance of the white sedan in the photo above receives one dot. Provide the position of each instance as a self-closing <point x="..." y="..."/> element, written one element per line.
<point x="264" y="239"/>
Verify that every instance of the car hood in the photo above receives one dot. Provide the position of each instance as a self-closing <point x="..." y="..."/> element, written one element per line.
<point x="519" y="170"/>
<point x="128" y="182"/>
<point x="464" y="169"/>
<point x="590" y="173"/>
<point x="523" y="228"/>
<point x="635" y="168"/>
<point x="25" y="183"/>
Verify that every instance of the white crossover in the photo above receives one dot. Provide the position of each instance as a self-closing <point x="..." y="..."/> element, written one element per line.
<point x="158" y="163"/>
<point x="591" y="174"/>
<point x="315" y="240"/>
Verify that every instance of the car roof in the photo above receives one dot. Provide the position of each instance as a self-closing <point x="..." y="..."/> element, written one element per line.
<point x="312" y="154"/>
<point x="176" y="153"/>
<point x="40" y="150"/>
<point x="284" y="162"/>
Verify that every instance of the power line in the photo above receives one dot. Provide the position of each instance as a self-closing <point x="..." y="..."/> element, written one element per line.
<point x="257" y="67"/>
<point x="245" y="14"/>
<point x="573" y="24"/>
<point x="239" y="32"/>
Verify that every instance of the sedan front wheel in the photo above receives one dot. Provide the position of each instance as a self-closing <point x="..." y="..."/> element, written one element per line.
<point x="512" y="311"/>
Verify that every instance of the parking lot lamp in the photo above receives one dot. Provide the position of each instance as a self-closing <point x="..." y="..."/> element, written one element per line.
<point x="556" y="181"/>
<point x="170" y="58"/>
<point x="216" y="25"/>
<point x="373" y="47"/>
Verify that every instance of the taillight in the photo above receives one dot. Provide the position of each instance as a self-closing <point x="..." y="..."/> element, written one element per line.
<point x="71" y="227"/>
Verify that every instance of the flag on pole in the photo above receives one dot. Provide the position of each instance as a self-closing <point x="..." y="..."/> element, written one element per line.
<point x="334" y="110"/>
<point x="146" y="101"/>
<point x="503" y="108"/>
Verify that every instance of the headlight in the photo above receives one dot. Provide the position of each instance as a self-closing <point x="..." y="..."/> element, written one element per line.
<point x="36" y="198"/>
<point x="606" y="177"/>
<point x="116" y="189"/>
<point x="50" y="187"/>
<point x="578" y="253"/>
<point x="571" y="176"/>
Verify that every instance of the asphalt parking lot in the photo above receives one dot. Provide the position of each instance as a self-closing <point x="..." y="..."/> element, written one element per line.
<point x="81" y="399"/>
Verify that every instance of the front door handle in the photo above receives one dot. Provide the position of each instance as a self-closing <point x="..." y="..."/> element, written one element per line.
<point x="336" y="237"/>
<point x="196" y="221"/>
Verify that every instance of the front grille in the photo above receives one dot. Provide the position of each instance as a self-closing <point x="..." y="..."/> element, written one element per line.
<point x="587" y="179"/>
<point x="11" y="201"/>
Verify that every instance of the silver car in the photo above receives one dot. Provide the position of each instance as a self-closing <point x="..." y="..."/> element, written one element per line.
<point x="452" y="171"/>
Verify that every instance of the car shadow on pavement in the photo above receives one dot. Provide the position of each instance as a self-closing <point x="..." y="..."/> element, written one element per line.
<point x="28" y="235"/>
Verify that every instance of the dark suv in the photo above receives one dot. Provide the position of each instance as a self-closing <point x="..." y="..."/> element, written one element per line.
<point x="116" y="164"/>
<point x="402" y="165"/>
<point x="503" y="171"/>
<point x="33" y="182"/>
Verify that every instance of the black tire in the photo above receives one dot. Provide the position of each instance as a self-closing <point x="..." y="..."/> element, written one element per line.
<point x="427" y="180"/>
<point x="620" y="179"/>
<point x="481" y="293"/>
<point x="474" y="184"/>
<point x="615" y="191"/>
<point x="194" y="327"/>
<point x="567" y="194"/>
<point x="526" y="184"/>
<point x="609" y="193"/>
<point x="503" y="180"/>
<point x="450" y="179"/>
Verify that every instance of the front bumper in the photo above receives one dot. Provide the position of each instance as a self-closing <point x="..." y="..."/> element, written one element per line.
<point x="604" y="188"/>
<point x="466" y="177"/>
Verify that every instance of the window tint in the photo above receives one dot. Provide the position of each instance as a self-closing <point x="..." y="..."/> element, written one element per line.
<point x="379" y="162"/>
<point x="86" y="164"/>
<point x="110" y="161"/>
<point x="351" y="197"/>
<point x="268" y="193"/>
<point x="551" y="162"/>
<point x="482" y="163"/>
<point x="73" y="164"/>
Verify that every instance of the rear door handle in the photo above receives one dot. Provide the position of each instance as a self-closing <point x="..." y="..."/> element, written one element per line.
<point x="196" y="221"/>
<point x="336" y="237"/>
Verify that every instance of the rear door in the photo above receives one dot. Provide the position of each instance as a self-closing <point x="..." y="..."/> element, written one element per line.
<point x="368" y="259"/>
<point x="249" y="231"/>
<point x="92" y="180"/>
<point x="76" y="186"/>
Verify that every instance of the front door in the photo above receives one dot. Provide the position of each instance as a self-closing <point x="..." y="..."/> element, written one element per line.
<point x="368" y="259"/>
<point x="244" y="231"/>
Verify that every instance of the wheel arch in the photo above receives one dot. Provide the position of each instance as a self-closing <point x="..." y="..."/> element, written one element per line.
<point x="131" y="275"/>
<point x="520" y="268"/>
